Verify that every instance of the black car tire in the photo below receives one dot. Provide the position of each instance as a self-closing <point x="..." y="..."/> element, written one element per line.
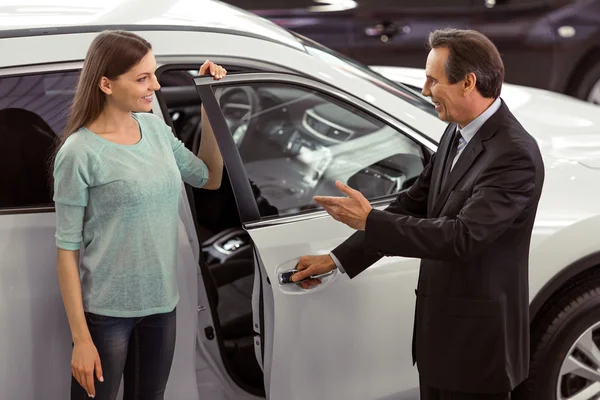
<point x="576" y="309"/>
<point x="585" y="82"/>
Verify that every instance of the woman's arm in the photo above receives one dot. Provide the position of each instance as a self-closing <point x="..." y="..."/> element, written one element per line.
<point x="211" y="155"/>
<point x="70" y="288"/>
<point x="85" y="360"/>
<point x="71" y="198"/>
<point x="204" y="169"/>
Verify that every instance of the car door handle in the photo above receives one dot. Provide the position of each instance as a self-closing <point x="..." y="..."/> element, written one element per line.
<point x="285" y="278"/>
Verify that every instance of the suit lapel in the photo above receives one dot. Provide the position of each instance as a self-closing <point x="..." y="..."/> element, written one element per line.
<point x="466" y="159"/>
<point x="438" y="169"/>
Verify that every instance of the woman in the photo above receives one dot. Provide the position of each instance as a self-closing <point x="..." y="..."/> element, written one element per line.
<point x="117" y="185"/>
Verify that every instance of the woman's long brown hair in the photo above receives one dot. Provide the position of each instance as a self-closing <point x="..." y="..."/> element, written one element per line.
<point x="111" y="54"/>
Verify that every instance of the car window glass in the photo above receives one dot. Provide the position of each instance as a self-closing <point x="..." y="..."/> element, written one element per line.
<point x="33" y="110"/>
<point x="295" y="143"/>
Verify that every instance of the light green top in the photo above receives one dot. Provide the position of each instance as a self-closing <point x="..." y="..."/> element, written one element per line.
<point x="122" y="203"/>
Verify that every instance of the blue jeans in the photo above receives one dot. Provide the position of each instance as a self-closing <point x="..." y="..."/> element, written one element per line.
<point x="138" y="349"/>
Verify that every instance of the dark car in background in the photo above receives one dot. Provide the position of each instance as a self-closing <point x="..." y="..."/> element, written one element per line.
<point x="548" y="44"/>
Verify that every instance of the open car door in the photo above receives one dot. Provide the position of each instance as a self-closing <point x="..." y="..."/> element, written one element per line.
<point x="285" y="138"/>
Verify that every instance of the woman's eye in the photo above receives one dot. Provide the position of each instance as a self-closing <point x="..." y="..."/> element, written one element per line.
<point x="142" y="79"/>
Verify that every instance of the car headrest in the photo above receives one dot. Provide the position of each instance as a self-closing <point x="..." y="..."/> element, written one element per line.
<point x="26" y="144"/>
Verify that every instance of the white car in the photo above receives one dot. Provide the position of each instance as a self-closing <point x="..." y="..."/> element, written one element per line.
<point x="290" y="118"/>
<point x="563" y="125"/>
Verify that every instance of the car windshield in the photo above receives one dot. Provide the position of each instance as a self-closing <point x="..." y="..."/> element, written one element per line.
<point x="362" y="71"/>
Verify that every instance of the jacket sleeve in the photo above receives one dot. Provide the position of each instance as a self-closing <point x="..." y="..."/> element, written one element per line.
<point x="502" y="191"/>
<point x="351" y="253"/>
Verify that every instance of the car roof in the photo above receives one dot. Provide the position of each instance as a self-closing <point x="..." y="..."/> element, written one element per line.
<point x="39" y="36"/>
<point x="23" y="18"/>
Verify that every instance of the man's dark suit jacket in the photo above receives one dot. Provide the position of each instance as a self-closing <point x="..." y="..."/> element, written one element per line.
<point x="473" y="234"/>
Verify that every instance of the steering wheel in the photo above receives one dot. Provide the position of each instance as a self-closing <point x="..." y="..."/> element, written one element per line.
<point x="240" y="106"/>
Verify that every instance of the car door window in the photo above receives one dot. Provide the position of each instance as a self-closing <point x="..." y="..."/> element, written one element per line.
<point x="33" y="110"/>
<point x="295" y="142"/>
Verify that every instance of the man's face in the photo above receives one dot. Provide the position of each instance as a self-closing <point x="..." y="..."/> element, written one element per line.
<point x="448" y="98"/>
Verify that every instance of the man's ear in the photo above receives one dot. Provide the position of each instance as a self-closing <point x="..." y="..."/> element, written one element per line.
<point x="469" y="83"/>
<point x="105" y="85"/>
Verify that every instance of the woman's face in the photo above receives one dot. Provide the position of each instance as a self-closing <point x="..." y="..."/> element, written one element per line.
<point x="133" y="91"/>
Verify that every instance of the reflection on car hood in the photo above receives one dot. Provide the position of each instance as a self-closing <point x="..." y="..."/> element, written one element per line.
<point x="565" y="127"/>
<point x="38" y="15"/>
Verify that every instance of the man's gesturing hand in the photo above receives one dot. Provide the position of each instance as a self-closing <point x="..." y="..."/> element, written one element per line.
<point x="352" y="210"/>
<point x="310" y="266"/>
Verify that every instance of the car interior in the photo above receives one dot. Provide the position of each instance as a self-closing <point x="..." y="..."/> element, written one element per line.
<point x="294" y="144"/>
<point x="27" y="145"/>
<point x="32" y="110"/>
<point x="226" y="262"/>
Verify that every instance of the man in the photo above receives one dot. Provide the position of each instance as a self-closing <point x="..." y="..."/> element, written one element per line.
<point x="469" y="217"/>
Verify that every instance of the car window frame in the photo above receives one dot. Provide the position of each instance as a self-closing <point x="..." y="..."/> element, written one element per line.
<point x="17" y="71"/>
<point x="249" y="215"/>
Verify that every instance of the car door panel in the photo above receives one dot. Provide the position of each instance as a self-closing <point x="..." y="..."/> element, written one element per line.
<point x="315" y="354"/>
<point x="36" y="341"/>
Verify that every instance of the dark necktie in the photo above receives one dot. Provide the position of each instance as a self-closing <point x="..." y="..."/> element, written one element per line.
<point x="457" y="144"/>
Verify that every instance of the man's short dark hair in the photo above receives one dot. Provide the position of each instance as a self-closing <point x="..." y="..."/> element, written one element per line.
<point x="470" y="51"/>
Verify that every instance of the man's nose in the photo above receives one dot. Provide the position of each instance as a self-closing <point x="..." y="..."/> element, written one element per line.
<point x="425" y="91"/>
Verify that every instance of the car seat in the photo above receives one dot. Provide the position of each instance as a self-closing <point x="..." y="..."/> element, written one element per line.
<point x="27" y="145"/>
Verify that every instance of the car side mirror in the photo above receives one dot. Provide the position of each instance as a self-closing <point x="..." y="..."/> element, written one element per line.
<point x="373" y="182"/>
<point x="388" y="176"/>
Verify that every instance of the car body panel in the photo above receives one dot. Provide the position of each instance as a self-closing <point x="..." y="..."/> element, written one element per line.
<point x="72" y="47"/>
<point x="32" y="313"/>
<point x="36" y="340"/>
<point x="38" y="17"/>
<point x="564" y="127"/>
